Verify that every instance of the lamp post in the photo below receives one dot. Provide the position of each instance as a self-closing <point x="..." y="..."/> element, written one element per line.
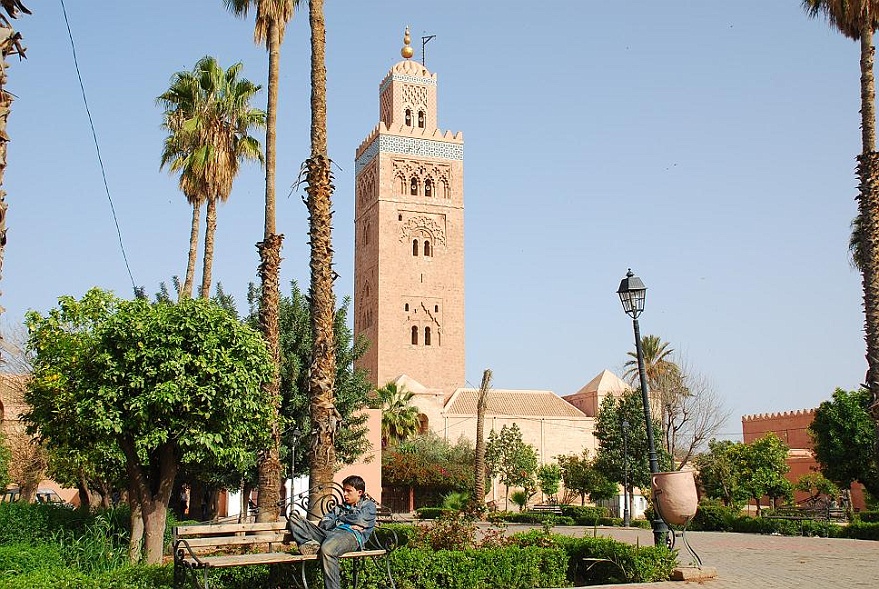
<point x="626" y="520"/>
<point x="632" y="293"/>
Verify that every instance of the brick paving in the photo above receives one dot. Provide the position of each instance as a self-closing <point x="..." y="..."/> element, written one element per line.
<point x="753" y="561"/>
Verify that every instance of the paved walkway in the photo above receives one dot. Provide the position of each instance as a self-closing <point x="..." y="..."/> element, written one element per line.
<point x="752" y="561"/>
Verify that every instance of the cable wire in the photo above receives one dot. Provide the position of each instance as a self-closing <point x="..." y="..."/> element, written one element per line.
<point x="97" y="146"/>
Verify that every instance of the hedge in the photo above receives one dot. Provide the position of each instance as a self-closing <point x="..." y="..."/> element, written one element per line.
<point x="861" y="530"/>
<point x="870" y="517"/>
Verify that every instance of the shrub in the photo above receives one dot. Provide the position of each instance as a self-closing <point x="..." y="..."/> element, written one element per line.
<point x="456" y="500"/>
<point x="432" y="512"/>
<point x="520" y="498"/>
<point x="449" y="532"/>
<point x="713" y="516"/>
<point x="870" y="517"/>
<point x="861" y="530"/>
<point x="643" y="564"/>
<point x="20" y="559"/>
<point x="531" y="517"/>
<point x="585" y="515"/>
<point x="140" y="577"/>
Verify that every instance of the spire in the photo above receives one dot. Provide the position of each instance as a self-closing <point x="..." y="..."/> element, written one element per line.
<point x="407" y="51"/>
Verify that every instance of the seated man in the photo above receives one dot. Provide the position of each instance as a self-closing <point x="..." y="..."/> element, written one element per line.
<point x="345" y="529"/>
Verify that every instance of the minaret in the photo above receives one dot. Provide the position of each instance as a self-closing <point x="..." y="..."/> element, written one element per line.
<point x="409" y="240"/>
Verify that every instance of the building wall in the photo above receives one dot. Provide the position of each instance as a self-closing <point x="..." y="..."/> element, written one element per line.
<point x="793" y="428"/>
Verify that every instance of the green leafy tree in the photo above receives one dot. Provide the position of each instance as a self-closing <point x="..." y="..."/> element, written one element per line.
<point x="510" y="459"/>
<point x="429" y="466"/>
<point x="549" y="478"/>
<point x="845" y="439"/>
<point x="817" y="486"/>
<point x="209" y="120"/>
<point x="609" y="433"/>
<point x="165" y="383"/>
<point x="764" y="464"/>
<point x="98" y="468"/>
<point x="352" y="385"/>
<point x="720" y="473"/>
<point x="580" y="476"/>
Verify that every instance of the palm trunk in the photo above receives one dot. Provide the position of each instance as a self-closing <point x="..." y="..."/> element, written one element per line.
<point x="479" y="474"/>
<point x="269" y="270"/>
<point x="7" y="48"/>
<point x="207" y="265"/>
<point x="324" y="416"/>
<point x="868" y="210"/>
<point x="193" y="253"/>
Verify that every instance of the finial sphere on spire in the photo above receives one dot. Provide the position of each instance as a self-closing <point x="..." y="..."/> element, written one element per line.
<point x="407" y="52"/>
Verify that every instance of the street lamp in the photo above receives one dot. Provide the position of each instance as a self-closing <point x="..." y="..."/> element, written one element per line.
<point x="626" y="520"/>
<point x="632" y="294"/>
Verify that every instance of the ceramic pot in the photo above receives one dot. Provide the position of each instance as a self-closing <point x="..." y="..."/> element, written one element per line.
<point x="674" y="496"/>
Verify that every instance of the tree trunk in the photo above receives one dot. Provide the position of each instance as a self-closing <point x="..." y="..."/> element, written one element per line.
<point x="135" y="542"/>
<point x="324" y="416"/>
<point x="9" y="45"/>
<point x="269" y="270"/>
<point x="207" y="265"/>
<point x="193" y="254"/>
<point x="82" y="490"/>
<point x="479" y="473"/>
<point x="154" y="494"/>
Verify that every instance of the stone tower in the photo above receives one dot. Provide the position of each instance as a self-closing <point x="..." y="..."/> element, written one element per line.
<point x="409" y="236"/>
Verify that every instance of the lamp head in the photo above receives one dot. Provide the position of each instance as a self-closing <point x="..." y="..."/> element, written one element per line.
<point x="632" y="294"/>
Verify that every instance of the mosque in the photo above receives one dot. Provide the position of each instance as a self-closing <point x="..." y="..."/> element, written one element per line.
<point x="409" y="278"/>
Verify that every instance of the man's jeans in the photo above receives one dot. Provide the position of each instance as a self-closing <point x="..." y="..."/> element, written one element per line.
<point x="333" y="543"/>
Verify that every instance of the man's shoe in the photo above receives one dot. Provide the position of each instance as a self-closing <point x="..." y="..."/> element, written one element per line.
<point x="309" y="548"/>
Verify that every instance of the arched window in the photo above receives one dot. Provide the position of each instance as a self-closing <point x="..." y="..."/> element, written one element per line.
<point x="436" y="308"/>
<point x="413" y="186"/>
<point x="408" y="118"/>
<point x="428" y="188"/>
<point x="427" y="248"/>
<point x="406" y="307"/>
<point x="414" y="335"/>
<point x="402" y="185"/>
<point x="420" y="119"/>
<point x="423" y="423"/>
<point x="426" y="336"/>
<point x="414" y="247"/>
<point x="366" y="234"/>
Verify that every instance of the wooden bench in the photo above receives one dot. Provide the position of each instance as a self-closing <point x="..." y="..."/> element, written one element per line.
<point x="200" y="548"/>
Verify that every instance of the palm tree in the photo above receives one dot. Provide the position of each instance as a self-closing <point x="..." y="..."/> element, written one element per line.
<point x="10" y="44"/>
<point x="657" y="361"/>
<point x="209" y="120"/>
<point x="272" y="17"/>
<point x="399" y="416"/>
<point x="858" y="19"/>
<point x="323" y="302"/>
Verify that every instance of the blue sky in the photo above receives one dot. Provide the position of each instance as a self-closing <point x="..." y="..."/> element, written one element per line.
<point x="708" y="146"/>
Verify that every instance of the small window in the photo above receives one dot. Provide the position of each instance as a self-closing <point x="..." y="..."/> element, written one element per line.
<point x="366" y="235"/>
<point x="414" y="247"/>
<point x="406" y="307"/>
<point x="408" y="118"/>
<point x="420" y="119"/>
<point x="414" y="335"/>
<point x="413" y="186"/>
<point x="436" y="308"/>
<point x="428" y="188"/>
<point x="426" y="248"/>
<point x="402" y="185"/>
<point x="426" y="336"/>
<point x="399" y="217"/>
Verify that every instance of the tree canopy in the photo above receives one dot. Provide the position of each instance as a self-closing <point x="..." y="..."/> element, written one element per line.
<point x="511" y="460"/>
<point x="845" y="439"/>
<point x="164" y="383"/>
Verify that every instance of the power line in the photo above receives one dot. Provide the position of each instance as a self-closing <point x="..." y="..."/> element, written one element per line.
<point x="97" y="146"/>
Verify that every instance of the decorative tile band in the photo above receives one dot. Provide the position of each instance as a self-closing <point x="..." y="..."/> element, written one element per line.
<point x="405" y="78"/>
<point x="413" y="146"/>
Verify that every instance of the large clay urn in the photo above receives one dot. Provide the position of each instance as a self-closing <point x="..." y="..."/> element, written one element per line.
<point x="674" y="496"/>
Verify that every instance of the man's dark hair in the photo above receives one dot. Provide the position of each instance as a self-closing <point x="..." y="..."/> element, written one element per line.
<point x="356" y="482"/>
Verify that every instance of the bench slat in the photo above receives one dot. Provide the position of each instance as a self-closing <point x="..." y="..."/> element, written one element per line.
<point x="233" y="560"/>
<point x="227" y="529"/>
<point x="236" y="540"/>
